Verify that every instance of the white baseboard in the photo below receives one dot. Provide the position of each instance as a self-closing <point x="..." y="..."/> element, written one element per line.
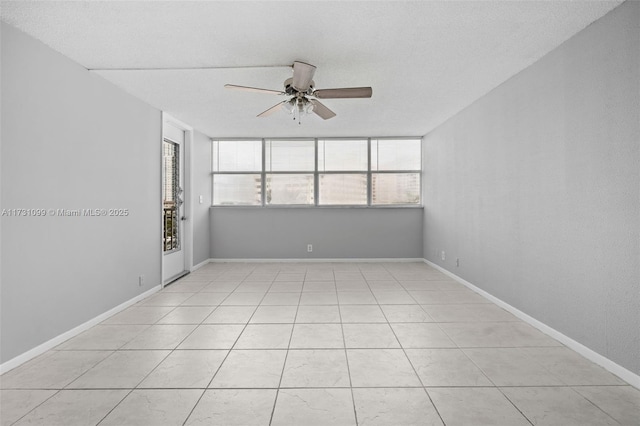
<point x="626" y="375"/>
<point x="200" y="265"/>
<point x="318" y="260"/>
<point x="50" y="344"/>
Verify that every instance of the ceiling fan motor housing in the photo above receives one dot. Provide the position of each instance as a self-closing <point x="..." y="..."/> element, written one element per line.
<point x="292" y="91"/>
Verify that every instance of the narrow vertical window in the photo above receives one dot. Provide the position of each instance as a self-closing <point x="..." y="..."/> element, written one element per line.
<point x="171" y="196"/>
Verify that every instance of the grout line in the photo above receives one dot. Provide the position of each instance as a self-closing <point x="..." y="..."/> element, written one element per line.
<point x="346" y="356"/>
<point x="284" y="364"/>
<point x="226" y="356"/>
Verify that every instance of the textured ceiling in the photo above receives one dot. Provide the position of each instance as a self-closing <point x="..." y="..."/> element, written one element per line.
<point x="426" y="60"/>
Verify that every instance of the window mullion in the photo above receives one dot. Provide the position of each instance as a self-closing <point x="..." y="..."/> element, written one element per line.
<point x="369" y="189"/>
<point x="316" y="177"/>
<point x="263" y="175"/>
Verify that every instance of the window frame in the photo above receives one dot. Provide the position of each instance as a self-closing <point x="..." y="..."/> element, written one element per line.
<point x="316" y="174"/>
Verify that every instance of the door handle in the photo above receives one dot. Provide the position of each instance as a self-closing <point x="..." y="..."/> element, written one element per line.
<point x="183" y="218"/>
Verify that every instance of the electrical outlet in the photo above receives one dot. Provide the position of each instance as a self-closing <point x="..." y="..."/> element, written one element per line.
<point x="140" y="280"/>
<point x="457" y="261"/>
<point x="443" y="255"/>
<point x="201" y="199"/>
<point x="309" y="248"/>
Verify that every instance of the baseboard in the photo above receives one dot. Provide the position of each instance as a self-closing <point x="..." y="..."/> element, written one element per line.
<point x="320" y="260"/>
<point x="50" y="344"/>
<point x="200" y="265"/>
<point x="626" y="375"/>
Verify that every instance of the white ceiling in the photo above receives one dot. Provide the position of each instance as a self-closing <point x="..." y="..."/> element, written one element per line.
<point x="426" y="60"/>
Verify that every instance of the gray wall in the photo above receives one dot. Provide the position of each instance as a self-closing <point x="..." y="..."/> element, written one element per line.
<point x="283" y="233"/>
<point x="535" y="188"/>
<point x="201" y="186"/>
<point x="71" y="140"/>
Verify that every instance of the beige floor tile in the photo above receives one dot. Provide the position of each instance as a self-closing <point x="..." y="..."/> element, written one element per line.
<point x="158" y="407"/>
<point x="318" y="314"/>
<point x="475" y="406"/>
<point x="250" y="369"/>
<point x="511" y="367"/>
<point x="187" y="315"/>
<point x="205" y="299"/>
<point x="123" y="369"/>
<point x="496" y="334"/>
<point x="394" y="298"/>
<point x="314" y="407"/>
<point x="318" y="298"/>
<point x="213" y="336"/>
<point x="281" y="299"/>
<point x="265" y="336"/>
<point x="323" y="368"/>
<point x="622" y="403"/>
<point x="160" y="336"/>
<point x="231" y="315"/>
<point x="74" y="408"/>
<point x="381" y="368"/>
<point x="405" y="313"/>
<point x="243" y="299"/>
<point x="319" y="286"/>
<point x="317" y="336"/>
<point x="233" y="407"/>
<point x="469" y="313"/>
<point x="103" y="337"/>
<point x="356" y="298"/>
<point x="286" y="287"/>
<point x="16" y="403"/>
<point x="446" y="367"/>
<point x="369" y="336"/>
<point x="557" y="406"/>
<point x="54" y="371"/>
<point x="395" y="406"/>
<point x="274" y="315"/>
<point x="362" y="314"/>
<point x="572" y="368"/>
<point x="139" y="315"/>
<point x="421" y="335"/>
<point x="165" y="299"/>
<point x="185" y="369"/>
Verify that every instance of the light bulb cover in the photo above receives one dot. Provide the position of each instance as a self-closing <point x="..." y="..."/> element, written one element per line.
<point x="289" y="106"/>
<point x="308" y="108"/>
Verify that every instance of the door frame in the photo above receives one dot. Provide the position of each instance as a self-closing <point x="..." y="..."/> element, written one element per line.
<point x="187" y="232"/>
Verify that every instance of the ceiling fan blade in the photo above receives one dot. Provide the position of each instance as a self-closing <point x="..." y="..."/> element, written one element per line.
<point x="302" y="75"/>
<point x="324" y="112"/>
<point x="271" y="110"/>
<point x="350" y="92"/>
<point x="253" y="89"/>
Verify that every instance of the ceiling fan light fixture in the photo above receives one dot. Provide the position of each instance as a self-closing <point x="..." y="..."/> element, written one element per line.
<point x="308" y="107"/>
<point x="289" y="106"/>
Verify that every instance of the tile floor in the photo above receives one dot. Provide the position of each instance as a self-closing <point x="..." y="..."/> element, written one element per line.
<point x="314" y="344"/>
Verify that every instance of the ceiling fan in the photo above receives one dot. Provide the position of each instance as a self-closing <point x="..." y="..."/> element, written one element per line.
<point x="303" y="96"/>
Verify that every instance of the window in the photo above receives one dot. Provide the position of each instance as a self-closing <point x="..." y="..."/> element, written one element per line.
<point x="317" y="172"/>
<point x="395" y="171"/>
<point x="171" y="196"/>
<point x="289" y="167"/>
<point x="342" y="171"/>
<point x="237" y="168"/>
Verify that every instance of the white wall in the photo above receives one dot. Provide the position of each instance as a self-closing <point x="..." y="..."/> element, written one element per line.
<point x="283" y="233"/>
<point x="71" y="140"/>
<point x="201" y="186"/>
<point x="535" y="188"/>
